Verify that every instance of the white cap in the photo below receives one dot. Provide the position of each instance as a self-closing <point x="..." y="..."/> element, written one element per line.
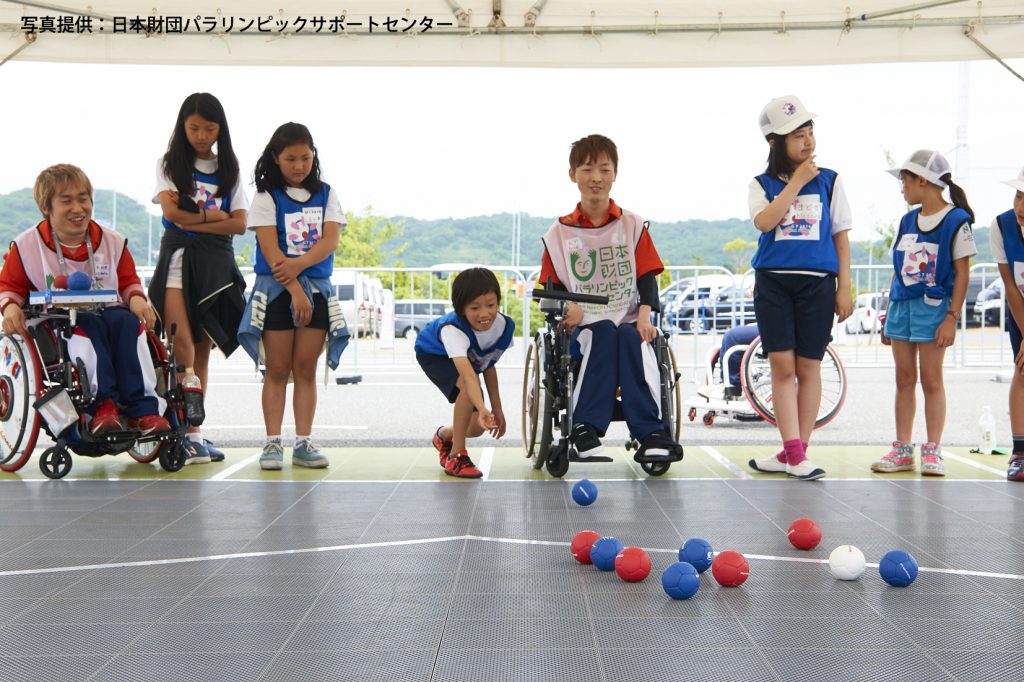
<point x="1017" y="183"/>
<point x="924" y="163"/>
<point x="783" y="115"/>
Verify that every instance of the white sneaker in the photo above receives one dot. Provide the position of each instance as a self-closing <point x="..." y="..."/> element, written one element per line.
<point x="768" y="465"/>
<point x="805" y="471"/>
<point x="711" y="391"/>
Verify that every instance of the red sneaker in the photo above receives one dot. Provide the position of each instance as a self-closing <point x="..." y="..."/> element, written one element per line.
<point x="462" y="466"/>
<point x="149" y="424"/>
<point x="107" y="418"/>
<point x="443" y="447"/>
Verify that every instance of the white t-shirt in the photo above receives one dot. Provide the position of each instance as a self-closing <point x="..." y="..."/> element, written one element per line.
<point x="963" y="242"/>
<point x="839" y="208"/>
<point x="995" y="240"/>
<point x="239" y="200"/>
<point x="263" y="211"/>
<point x="456" y="343"/>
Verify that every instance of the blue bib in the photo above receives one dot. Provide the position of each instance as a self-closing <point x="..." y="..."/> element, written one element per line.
<point x="206" y="189"/>
<point x="429" y="341"/>
<point x="300" y="225"/>
<point x="1013" y="244"/>
<point x="923" y="261"/>
<point x="803" y="240"/>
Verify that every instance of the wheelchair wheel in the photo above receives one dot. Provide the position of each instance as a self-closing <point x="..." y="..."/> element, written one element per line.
<point x="671" y="404"/>
<point x="655" y="468"/>
<point x="557" y="462"/>
<point x="757" y="384"/>
<point x="21" y="383"/>
<point x="55" y="462"/>
<point x="533" y="390"/>
<point x="148" y="452"/>
<point x="172" y="454"/>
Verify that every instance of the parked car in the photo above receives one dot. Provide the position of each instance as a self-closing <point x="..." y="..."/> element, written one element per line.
<point x="988" y="305"/>
<point x="724" y="308"/>
<point x="866" y="311"/>
<point x="355" y="292"/>
<point x="412" y="315"/>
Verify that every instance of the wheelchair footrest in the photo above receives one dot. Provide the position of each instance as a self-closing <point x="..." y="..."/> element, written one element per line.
<point x="592" y="458"/>
<point x="675" y="454"/>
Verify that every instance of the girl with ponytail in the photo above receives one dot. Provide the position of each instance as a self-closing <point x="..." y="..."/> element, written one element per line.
<point x="930" y="254"/>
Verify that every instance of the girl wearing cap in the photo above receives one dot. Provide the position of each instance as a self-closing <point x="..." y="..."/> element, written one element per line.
<point x="930" y="256"/>
<point x="1007" y="241"/>
<point x="801" y="278"/>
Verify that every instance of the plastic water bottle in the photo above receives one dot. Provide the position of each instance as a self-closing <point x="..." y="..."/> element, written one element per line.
<point x="987" y="424"/>
<point x="193" y="390"/>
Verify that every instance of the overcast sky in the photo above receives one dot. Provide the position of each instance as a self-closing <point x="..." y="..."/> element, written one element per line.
<point x="438" y="142"/>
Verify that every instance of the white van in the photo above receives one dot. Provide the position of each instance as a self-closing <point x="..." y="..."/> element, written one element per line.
<point x="361" y="299"/>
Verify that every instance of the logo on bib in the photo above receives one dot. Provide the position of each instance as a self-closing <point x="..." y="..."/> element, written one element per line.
<point x="919" y="264"/>
<point x="585" y="270"/>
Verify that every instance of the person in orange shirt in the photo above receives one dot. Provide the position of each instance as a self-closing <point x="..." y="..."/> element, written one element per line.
<point x="604" y="250"/>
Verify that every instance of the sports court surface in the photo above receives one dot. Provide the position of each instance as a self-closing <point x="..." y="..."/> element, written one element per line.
<point x="383" y="568"/>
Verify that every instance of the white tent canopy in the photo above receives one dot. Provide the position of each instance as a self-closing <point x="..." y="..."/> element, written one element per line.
<point x="530" y="33"/>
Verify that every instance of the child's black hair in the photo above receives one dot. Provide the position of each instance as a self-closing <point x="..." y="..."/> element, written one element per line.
<point x="471" y="284"/>
<point x="956" y="193"/>
<point x="268" y="175"/>
<point x="181" y="157"/>
<point x="779" y="163"/>
<point x="589" y="148"/>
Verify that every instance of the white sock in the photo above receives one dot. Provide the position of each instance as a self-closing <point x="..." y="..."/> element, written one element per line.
<point x="299" y="439"/>
<point x="195" y="437"/>
<point x="274" y="439"/>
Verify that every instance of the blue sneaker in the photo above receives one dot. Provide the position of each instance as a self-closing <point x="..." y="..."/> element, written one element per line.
<point x="272" y="456"/>
<point x="305" y="454"/>
<point x="216" y="455"/>
<point x="195" y="453"/>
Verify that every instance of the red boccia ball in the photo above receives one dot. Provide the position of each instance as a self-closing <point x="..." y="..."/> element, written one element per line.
<point x="804" y="534"/>
<point x="632" y="564"/>
<point x="60" y="282"/>
<point x="581" y="545"/>
<point x="730" y="568"/>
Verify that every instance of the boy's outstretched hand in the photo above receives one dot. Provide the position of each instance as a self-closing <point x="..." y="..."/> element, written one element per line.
<point x="498" y="430"/>
<point x="487" y="420"/>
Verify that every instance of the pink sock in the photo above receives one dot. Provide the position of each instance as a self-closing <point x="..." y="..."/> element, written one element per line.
<point x="781" y="454"/>
<point x="793" y="451"/>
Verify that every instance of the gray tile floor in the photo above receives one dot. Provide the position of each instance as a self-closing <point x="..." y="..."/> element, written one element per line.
<point x="369" y="602"/>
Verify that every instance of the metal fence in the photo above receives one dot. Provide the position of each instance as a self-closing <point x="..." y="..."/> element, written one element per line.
<point x="700" y="303"/>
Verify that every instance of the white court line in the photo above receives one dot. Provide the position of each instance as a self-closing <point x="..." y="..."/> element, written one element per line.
<point x="221" y="475"/>
<point x="971" y="462"/>
<point x="724" y="461"/>
<point x="228" y="427"/>
<point x="486" y="459"/>
<point x="450" y="538"/>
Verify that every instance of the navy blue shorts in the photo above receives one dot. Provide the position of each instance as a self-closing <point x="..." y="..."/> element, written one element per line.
<point x="279" y="314"/>
<point x="1015" y="335"/>
<point x="441" y="370"/>
<point x="795" y="312"/>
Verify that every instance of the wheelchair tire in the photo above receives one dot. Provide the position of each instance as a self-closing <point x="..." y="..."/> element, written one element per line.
<point x="757" y="386"/>
<point x="172" y="455"/>
<point x="532" y="397"/>
<point x="655" y="468"/>
<point x="146" y="452"/>
<point x="55" y="462"/>
<point x="672" y="404"/>
<point x="557" y="463"/>
<point x="19" y="421"/>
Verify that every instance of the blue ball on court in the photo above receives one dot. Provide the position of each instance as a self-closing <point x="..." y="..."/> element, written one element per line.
<point x="898" y="568"/>
<point x="603" y="552"/>
<point x="698" y="553"/>
<point x="584" y="492"/>
<point x="79" y="281"/>
<point x="680" y="580"/>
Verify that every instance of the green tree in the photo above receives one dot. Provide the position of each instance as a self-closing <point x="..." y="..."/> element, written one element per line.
<point x="362" y="241"/>
<point x="741" y="250"/>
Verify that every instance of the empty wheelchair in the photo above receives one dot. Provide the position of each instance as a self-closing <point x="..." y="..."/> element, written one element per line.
<point x="752" y="399"/>
<point x="41" y="387"/>
<point x="548" y="381"/>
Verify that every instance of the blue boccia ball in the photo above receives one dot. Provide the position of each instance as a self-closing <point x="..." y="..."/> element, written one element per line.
<point x="898" y="568"/>
<point x="584" y="492"/>
<point x="79" y="281"/>
<point x="698" y="553"/>
<point x="603" y="552"/>
<point x="680" y="580"/>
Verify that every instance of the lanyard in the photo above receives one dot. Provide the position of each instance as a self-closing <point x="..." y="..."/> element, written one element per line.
<point x="88" y="248"/>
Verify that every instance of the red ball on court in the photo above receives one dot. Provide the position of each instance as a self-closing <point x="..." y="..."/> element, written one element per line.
<point x="730" y="568"/>
<point x="581" y="545"/>
<point x="60" y="282"/>
<point x="804" y="534"/>
<point x="632" y="564"/>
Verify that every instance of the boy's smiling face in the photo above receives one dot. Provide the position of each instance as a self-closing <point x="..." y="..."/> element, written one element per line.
<point x="482" y="311"/>
<point x="69" y="213"/>
<point x="595" y="178"/>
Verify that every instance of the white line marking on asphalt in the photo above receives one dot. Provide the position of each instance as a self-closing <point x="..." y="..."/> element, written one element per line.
<point x="221" y="475"/>
<point x="451" y="538"/>
<point x="724" y="461"/>
<point x="326" y="427"/>
<point x="486" y="459"/>
<point x="970" y="462"/>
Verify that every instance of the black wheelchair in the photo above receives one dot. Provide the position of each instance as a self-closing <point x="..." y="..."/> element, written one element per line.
<point x="548" y="382"/>
<point x="42" y="387"/>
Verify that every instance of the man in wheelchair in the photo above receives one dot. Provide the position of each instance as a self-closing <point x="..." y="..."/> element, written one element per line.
<point x="603" y="250"/>
<point x="66" y="242"/>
